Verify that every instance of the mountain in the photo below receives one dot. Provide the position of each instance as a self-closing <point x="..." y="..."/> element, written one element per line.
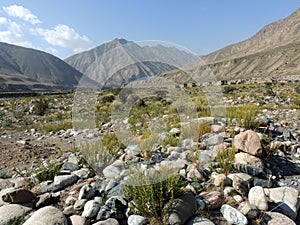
<point x="272" y="52"/>
<point x="25" y="69"/>
<point x="119" y="61"/>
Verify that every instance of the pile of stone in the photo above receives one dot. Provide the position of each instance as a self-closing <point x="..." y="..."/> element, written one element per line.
<point x="255" y="191"/>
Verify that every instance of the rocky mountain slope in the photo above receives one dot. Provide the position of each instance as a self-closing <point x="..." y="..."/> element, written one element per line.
<point x="272" y="52"/>
<point x="120" y="61"/>
<point x="24" y="69"/>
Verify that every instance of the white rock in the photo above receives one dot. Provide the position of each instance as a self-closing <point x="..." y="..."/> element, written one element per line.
<point x="48" y="215"/>
<point x="136" y="220"/>
<point x="258" y="198"/>
<point x="233" y="216"/>
<point x="91" y="209"/>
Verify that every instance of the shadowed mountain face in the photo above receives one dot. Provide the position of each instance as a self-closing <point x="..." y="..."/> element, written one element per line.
<point x="120" y="61"/>
<point x="24" y="69"/>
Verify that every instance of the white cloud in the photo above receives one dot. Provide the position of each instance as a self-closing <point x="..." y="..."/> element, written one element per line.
<point x="21" y="12"/>
<point x="11" y="32"/>
<point x="66" y="37"/>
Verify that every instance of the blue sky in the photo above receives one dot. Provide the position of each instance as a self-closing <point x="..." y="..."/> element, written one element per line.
<point x="65" y="27"/>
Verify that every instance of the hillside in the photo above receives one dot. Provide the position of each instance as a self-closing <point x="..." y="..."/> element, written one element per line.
<point x="24" y="69"/>
<point x="120" y="61"/>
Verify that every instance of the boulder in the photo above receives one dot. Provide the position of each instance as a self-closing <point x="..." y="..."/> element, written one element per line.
<point x="213" y="199"/>
<point x="258" y="198"/>
<point x="248" y="141"/>
<point x="233" y="216"/>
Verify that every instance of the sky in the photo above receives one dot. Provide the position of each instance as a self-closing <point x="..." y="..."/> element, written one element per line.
<point x="65" y="27"/>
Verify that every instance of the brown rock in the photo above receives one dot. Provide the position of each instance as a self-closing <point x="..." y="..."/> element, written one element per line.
<point x="18" y="196"/>
<point x="213" y="199"/>
<point x="245" y="158"/>
<point x="249" y="142"/>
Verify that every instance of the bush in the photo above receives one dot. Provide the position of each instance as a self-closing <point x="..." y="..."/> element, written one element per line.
<point x="44" y="173"/>
<point x="225" y="160"/>
<point x="152" y="194"/>
<point x="244" y="115"/>
<point x="41" y="106"/>
<point x="229" y="89"/>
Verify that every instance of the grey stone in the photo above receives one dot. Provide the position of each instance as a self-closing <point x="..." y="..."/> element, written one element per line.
<point x="5" y="183"/>
<point x="114" y="170"/>
<point x="87" y="191"/>
<point x="199" y="221"/>
<point x="65" y="180"/>
<point x="133" y="150"/>
<point x="174" y="131"/>
<point x="79" y="204"/>
<point x="70" y="166"/>
<point x="48" y="215"/>
<point x="275" y="218"/>
<point x="114" y="208"/>
<point x="263" y="183"/>
<point x="233" y="216"/>
<point x="45" y="186"/>
<point x="83" y="173"/>
<point x="109" y="221"/>
<point x="287" y="199"/>
<point x="182" y="209"/>
<point x="137" y="220"/>
<point x="8" y="212"/>
<point x="91" y="209"/>
<point x="212" y="139"/>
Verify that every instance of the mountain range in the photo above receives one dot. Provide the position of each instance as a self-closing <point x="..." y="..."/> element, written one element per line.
<point x="274" y="51"/>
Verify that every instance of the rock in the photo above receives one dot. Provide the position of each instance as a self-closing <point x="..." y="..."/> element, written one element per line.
<point x="275" y="218"/>
<point x="182" y="209"/>
<point x="241" y="186"/>
<point x="3" y="193"/>
<point x="65" y="180"/>
<point x="5" y="183"/>
<point x="233" y="216"/>
<point x="245" y="158"/>
<point x="8" y="212"/>
<point x="48" y="215"/>
<point x="136" y="220"/>
<point x="199" y="221"/>
<point x="213" y="199"/>
<point x="69" y="210"/>
<point x="114" y="170"/>
<point x="258" y="198"/>
<point x="215" y="128"/>
<point x="238" y="198"/>
<point x="211" y="139"/>
<point x="263" y="183"/>
<point x="44" y="199"/>
<point x="83" y="173"/>
<point x="78" y="220"/>
<point x="251" y="170"/>
<point x="193" y="173"/>
<point x="109" y="221"/>
<point x="200" y="203"/>
<point x="79" y="204"/>
<point x="287" y="199"/>
<point x="250" y="211"/>
<point x="114" y="208"/>
<point x="133" y="150"/>
<point x="221" y="180"/>
<point x="228" y="191"/>
<point x="91" y="209"/>
<point x="174" y="131"/>
<point x="45" y="186"/>
<point x="18" y="196"/>
<point x="70" y="200"/>
<point x="248" y="141"/>
<point x="87" y="191"/>
<point x="70" y="166"/>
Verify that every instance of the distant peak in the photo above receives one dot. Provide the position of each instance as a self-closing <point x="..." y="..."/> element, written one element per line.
<point x="120" y="41"/>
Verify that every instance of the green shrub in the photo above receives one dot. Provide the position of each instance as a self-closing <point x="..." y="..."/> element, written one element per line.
<point x="229" y="89"/>
<point x="244" y="115"/>
<point x="41" y="106"/>
<point x="152" y="194"/>
<point x="44" y="173"/>
<point x="225" y="160"/>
